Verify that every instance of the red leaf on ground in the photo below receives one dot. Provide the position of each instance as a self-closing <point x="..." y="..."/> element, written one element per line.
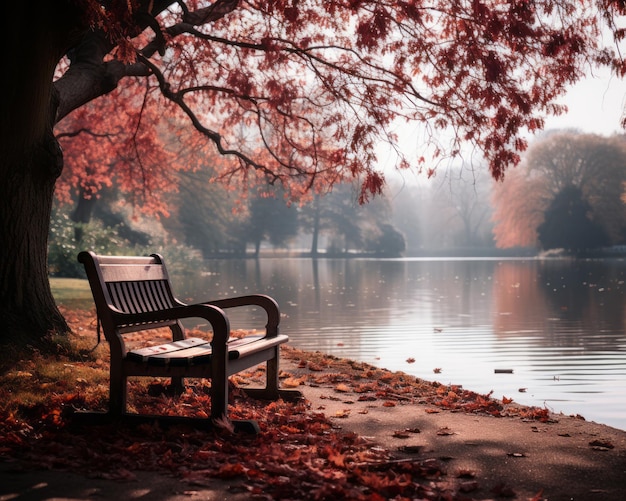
<point x="603" y="444"/>
<point x="444" y="431"/>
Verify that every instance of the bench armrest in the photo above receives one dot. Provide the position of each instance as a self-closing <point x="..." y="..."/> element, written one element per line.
<point x="213" y="314"/>
<point x="266" y="302"/>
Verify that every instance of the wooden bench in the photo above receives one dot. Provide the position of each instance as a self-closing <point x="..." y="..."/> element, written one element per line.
<point x="135" y="294"/>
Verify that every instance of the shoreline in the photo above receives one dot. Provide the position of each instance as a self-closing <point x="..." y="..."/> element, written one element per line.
<point x="489" y="451"/>
<point x="529" y="397"/>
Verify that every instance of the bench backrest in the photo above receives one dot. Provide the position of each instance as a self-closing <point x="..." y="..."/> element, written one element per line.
<point x="130" y="284"/>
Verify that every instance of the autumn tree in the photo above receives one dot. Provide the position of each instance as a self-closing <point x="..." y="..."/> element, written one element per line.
<point x="457" y="209"/>
<point x="331" y="214"/>
<point x="322" y="83"/>
<point x="350" y="226"/>
<point x="204" y="215"/>
<point x="554" y="165"/>
<point x="385" y="241"/>
<point x="136" y="154"/>
<point x="449" y="213"/>
<point x="270" y="218"/>
<point x="568" y="225"/>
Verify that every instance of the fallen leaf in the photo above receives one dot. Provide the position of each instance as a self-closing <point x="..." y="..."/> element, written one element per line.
<point x="410" y="360"/>
<point x="469" y="486"/>
<point x="410" y="449"/>
<point x="538" y="496"/>
<point x="336" y="458"/>
<point x="444" y="431"/>
<point x="223" y="423"/>
<point x="437" y="370"/>
<point x="601" y="444"/>
<point x="342" y="388"/>
<point x="292" y="382"/>
<point x="466" y="474"/>
<point x="367" y="398"/>
<point x="400" y="434"/>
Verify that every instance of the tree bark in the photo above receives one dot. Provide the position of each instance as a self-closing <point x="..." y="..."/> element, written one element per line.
<point x="27" y="308"/>
<point x="34" y="36"/>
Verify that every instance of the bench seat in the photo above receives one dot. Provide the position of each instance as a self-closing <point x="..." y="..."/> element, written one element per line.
<point x="197" y="351"/>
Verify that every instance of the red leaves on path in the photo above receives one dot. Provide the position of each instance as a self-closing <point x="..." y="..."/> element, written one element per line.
<point x="297" y="455"/>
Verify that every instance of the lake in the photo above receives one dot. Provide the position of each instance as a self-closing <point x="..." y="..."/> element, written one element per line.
<point x="544" y="332"/>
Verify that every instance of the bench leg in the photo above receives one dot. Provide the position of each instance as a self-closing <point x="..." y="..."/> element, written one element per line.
<point x="272" y="390"/>
<point x="117" y="392"/>
<point x="177" y="385"/>
<point x="219" y="392"/>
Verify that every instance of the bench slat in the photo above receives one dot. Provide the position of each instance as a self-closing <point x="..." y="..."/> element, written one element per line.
<point x="256" y="346"/>
<point x="129" y="299"/>
<point x="194" y="351"/>
<point x="170" y="348"/>
<point x="130" y="272"/>
<point x="161" y="294"/>
<point x="140" y="296"/>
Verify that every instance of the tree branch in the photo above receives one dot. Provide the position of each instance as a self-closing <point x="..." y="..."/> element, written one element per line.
<point x="215" y="137"/>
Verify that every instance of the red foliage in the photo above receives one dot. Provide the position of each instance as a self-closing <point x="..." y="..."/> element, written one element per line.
<point x="294" y="444"/>
<point x="305" y="92"/>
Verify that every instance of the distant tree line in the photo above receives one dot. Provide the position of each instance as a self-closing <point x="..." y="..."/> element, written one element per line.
<point x="215" y="222"/>
<point x="567" y="194"/>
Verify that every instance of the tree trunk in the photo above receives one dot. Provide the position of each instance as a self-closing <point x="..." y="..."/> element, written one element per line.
<point x="82" y="214"/>
<point x="316" y="226"/>
<point x="27" y="308"/>
<point x="34" y="36"/>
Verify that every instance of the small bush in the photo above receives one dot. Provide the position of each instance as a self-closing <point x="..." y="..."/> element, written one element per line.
<point x="63" y="248"/>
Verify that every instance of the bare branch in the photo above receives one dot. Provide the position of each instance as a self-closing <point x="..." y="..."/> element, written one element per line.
<point x="215" y="137"/>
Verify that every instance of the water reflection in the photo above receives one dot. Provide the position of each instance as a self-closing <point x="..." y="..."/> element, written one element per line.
<point x="558" y="324"/>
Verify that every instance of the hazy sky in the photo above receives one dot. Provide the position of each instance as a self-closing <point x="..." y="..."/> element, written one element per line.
<point x="595" y="105"/>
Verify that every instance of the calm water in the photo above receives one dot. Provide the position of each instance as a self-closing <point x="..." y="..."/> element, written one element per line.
<point x="557" y="324"/>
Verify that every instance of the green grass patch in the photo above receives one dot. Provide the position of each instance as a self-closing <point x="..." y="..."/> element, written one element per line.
<point x="72" y="292"/>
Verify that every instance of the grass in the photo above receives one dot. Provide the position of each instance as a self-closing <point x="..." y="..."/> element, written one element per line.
<point x="32" y="378"/>
<point x="72" y="292"/>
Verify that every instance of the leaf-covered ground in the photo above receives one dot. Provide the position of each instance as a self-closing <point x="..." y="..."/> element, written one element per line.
<point x="297" y="455"/>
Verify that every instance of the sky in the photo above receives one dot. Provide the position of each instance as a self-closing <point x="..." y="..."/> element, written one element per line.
<point x="595" y="105"/>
